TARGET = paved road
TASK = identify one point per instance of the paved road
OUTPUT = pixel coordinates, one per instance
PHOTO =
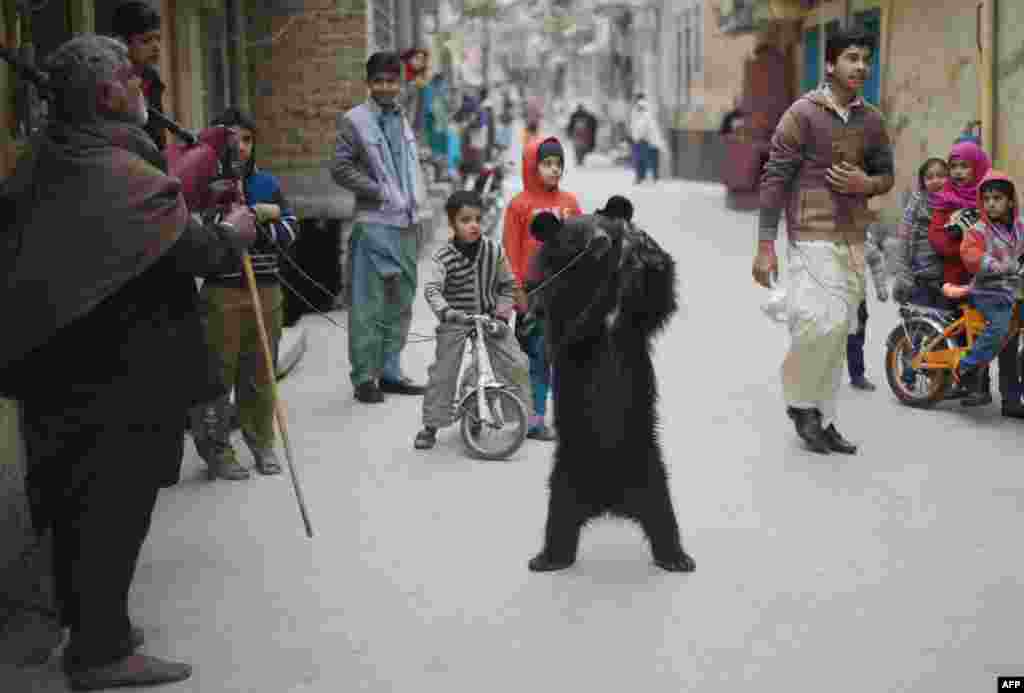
(895, 570)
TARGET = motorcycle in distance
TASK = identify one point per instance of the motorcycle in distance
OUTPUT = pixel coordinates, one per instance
(489, 184)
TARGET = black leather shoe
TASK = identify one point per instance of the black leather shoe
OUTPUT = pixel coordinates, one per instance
(402, 387)
(977, 398)
(808, 427)
(369, 393)
(133, 670)
(956, 391)
(1013, 409)
(837, 443)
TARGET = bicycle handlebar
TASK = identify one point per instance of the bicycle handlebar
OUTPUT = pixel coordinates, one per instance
(481, 316)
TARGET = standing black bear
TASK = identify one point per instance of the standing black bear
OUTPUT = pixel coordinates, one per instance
(605, 288)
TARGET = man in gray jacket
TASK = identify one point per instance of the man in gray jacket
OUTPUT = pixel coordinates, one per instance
(376, 159)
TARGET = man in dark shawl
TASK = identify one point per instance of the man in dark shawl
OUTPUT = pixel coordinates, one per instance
(97, 262)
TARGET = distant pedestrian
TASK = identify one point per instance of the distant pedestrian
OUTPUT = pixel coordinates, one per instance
(583, 131)
(417, 92)
(647, 140)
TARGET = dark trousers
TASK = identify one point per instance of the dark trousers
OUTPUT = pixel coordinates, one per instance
(1010, 387)
(855, 343)
(95, 484)
(645, 157)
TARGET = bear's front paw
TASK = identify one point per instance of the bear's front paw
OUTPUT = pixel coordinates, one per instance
(541, 563)
(682, 563)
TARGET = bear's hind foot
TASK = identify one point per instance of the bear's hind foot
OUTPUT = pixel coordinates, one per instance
(680, 563)
(541, 563)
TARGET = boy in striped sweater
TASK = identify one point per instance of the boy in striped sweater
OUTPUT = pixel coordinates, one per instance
(470, 275)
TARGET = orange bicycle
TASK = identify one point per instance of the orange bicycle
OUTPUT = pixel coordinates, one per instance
(926, 347)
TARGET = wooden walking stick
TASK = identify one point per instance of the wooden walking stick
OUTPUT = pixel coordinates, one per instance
(282, 425)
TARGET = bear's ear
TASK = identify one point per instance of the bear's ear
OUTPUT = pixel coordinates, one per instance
(545, 226)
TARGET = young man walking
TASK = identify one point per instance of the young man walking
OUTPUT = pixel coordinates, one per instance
(376, 158)
(829, 154)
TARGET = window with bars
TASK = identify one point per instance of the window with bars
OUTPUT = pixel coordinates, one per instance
(221, 69)
(689, 53)
(384, 25)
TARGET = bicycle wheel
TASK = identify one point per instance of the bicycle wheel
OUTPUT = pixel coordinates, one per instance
(920, 388)
(494, 441)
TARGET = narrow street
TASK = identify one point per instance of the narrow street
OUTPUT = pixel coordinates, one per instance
(898, 569)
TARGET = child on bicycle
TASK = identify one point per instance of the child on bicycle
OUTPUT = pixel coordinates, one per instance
(470, 276)
(918, 267)
(954, 208)
(991, 250)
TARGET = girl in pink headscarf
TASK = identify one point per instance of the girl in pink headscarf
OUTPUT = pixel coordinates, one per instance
(968, 164)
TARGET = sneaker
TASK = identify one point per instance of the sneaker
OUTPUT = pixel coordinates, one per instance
(542, 432)
(369, 393)
(862, 383)
(426, 438)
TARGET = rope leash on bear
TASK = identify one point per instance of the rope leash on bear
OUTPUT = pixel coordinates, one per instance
(282, 253)
(419, 337)
(576, 258)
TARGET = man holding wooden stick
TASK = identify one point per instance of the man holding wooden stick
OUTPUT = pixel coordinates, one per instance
(108, 354)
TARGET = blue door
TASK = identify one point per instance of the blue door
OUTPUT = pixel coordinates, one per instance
(812, 60)
(871, 22)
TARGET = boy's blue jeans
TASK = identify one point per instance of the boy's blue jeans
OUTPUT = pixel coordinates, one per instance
(540, 373)
(997, 311)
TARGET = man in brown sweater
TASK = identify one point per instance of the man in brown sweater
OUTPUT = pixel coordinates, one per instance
(829, 154)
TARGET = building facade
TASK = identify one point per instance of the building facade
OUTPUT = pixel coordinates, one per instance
(941, 66)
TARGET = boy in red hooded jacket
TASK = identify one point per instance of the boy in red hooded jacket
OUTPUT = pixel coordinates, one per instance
(543, 165)
(991, 251)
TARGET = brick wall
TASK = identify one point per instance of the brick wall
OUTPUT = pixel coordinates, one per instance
(314, 69)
